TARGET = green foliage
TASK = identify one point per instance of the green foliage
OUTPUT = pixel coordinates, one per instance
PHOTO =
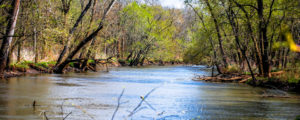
(91, 61)
(22, 65)
(294, 80)
(25, 66)
(27, 62)
(247, 73)
(298, 117)
(72, 64)
(151, 30)
(199, 50)
(121, 61)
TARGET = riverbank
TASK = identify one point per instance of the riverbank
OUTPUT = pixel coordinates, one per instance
(274, 82)
(31, 68)
(278, 80)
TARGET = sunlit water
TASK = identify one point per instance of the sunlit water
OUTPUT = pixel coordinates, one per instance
(177, 97)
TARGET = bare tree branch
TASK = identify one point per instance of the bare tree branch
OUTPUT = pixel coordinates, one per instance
(118, 106)
(141, 102)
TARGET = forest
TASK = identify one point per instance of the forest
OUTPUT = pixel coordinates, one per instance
(247, 37)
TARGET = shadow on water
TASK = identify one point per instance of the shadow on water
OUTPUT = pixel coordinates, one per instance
(94, 95)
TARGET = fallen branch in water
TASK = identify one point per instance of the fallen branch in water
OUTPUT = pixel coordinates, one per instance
(225, 78)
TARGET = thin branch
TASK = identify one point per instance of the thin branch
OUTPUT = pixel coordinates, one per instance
(270, 13)
(249, 6)
(45, 116)
(67, 116)
(141, 102)
(118, 106)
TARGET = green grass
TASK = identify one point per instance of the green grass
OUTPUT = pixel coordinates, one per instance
(45, 64)
(25, 64)
(91, 61)
(247, 73)
(294, 80)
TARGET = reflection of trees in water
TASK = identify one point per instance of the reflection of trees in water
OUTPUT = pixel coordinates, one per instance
(18, 94)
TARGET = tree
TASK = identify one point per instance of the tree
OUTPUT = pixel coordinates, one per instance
(66, 47)
(10, 30)
(60, 67)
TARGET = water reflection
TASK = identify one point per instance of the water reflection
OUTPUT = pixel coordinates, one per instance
(94, 95)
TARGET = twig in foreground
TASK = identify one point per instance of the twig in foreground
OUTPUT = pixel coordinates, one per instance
(45, 116)
(143, 99)
(67, 116)
(118, 106)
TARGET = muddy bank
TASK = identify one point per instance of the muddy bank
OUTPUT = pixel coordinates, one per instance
(271, 82)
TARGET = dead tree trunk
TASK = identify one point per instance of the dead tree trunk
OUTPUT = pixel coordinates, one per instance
(10, 30)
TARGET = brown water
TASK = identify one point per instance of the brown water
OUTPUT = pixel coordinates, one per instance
(94, 96)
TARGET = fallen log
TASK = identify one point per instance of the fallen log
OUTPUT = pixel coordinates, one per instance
(225, 78)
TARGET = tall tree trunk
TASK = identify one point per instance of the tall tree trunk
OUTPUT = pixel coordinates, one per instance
(35, 45)
(60, 67)
(10, 30)
(19, 52)
(218, 33)
(262, 29)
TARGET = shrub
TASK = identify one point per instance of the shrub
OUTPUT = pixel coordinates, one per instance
(294, 80)
(72, 64)
(232, 69)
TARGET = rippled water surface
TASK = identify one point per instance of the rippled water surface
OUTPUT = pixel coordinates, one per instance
(177, 97)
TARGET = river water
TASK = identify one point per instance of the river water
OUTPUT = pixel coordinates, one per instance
(176, 96)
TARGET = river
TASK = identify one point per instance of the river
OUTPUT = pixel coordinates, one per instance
(176, 96)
